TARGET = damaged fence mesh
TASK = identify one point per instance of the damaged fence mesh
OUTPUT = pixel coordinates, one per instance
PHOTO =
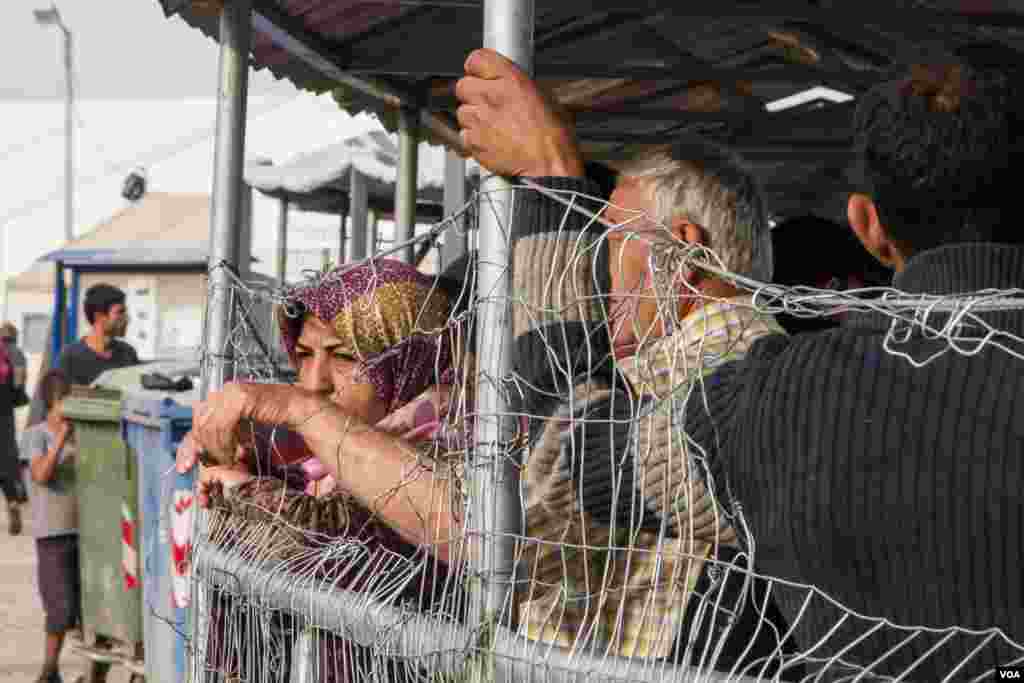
(629, 564)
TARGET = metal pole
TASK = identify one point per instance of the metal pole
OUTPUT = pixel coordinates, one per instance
(59, 313)
(454, 200)
(225, 211)
(358, 210)
(69, 146)
(342, 237)
(496, 508)
(282, 242)
(244, 258)
(75, 295)
(374, 239)
(405, 188)
(226, 208)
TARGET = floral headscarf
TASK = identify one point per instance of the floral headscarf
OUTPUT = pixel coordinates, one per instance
(389, 316)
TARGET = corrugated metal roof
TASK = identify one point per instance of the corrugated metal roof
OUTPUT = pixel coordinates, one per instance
(153, 254)
(639, 73)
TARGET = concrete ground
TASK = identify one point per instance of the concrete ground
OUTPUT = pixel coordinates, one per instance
(21, 615)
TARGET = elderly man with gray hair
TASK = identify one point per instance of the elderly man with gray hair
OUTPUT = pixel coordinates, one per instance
(643, 496)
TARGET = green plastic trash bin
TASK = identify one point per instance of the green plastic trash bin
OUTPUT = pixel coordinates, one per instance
(108, 518)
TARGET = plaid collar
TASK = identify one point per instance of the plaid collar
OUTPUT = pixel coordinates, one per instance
(717, 332)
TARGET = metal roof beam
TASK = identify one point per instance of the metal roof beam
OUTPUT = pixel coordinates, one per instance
(288, 33)
(845, 14)
(451, 66)
(821, 151)
(679, 116)
(904, 36)
(792, 9)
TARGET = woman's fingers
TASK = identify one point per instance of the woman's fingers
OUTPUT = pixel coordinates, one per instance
(188, 453)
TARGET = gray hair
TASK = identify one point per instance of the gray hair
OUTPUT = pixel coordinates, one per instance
(711, 188)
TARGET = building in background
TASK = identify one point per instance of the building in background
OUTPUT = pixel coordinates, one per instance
(156, 250)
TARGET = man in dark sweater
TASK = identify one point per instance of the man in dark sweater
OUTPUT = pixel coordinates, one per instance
(102, 349)
(891, 488)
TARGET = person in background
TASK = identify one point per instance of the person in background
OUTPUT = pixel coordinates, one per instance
(50, 448)
(13, 369)
(878, 464)
(102, 349)
(811, 251)
(9, 337)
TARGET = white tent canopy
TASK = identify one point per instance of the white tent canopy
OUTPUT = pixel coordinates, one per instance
(374, 154)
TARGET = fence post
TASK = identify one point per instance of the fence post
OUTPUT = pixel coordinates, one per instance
(226, 210)
(343, 236)
(357, 202)
(374, 239)
(454, 200)
(226, 214)
(282, 242)
(405, 188)
(244, 239)
(495, 503)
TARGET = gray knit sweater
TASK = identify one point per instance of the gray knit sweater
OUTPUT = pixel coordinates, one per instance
(619, 523)
(896, 490)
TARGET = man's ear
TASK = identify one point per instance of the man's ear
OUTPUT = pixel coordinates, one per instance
(863, 216)
(691, 233)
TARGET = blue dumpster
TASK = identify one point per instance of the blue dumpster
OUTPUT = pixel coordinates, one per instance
(152, 428)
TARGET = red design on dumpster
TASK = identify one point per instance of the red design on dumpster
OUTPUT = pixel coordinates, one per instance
(129, 556)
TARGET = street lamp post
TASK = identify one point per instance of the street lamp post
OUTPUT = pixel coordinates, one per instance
(48, 17)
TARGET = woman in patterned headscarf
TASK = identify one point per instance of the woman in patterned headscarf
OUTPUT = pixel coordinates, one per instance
(375, 338)
(371, 336)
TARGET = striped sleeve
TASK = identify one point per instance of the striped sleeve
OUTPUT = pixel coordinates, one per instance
(560, 279)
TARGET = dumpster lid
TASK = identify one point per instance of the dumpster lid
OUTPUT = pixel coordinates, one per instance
(129, 380)
(150, 408)
(93, 404)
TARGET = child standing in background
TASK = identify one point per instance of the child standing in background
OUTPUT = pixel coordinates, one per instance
(50, 449)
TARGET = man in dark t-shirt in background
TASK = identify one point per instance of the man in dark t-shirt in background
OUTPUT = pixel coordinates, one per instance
(102, 349)
(85, 360)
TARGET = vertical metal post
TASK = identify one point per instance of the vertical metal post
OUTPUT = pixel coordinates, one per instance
(76, 288)
(496, 507)
(59, 309)
(358, 210)
(244, 257)
(342, 237)
(282, 242)
(69, 139)
(226, 209)
(225, 214)
(405, 188)
(454, 200)
(374, 239)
